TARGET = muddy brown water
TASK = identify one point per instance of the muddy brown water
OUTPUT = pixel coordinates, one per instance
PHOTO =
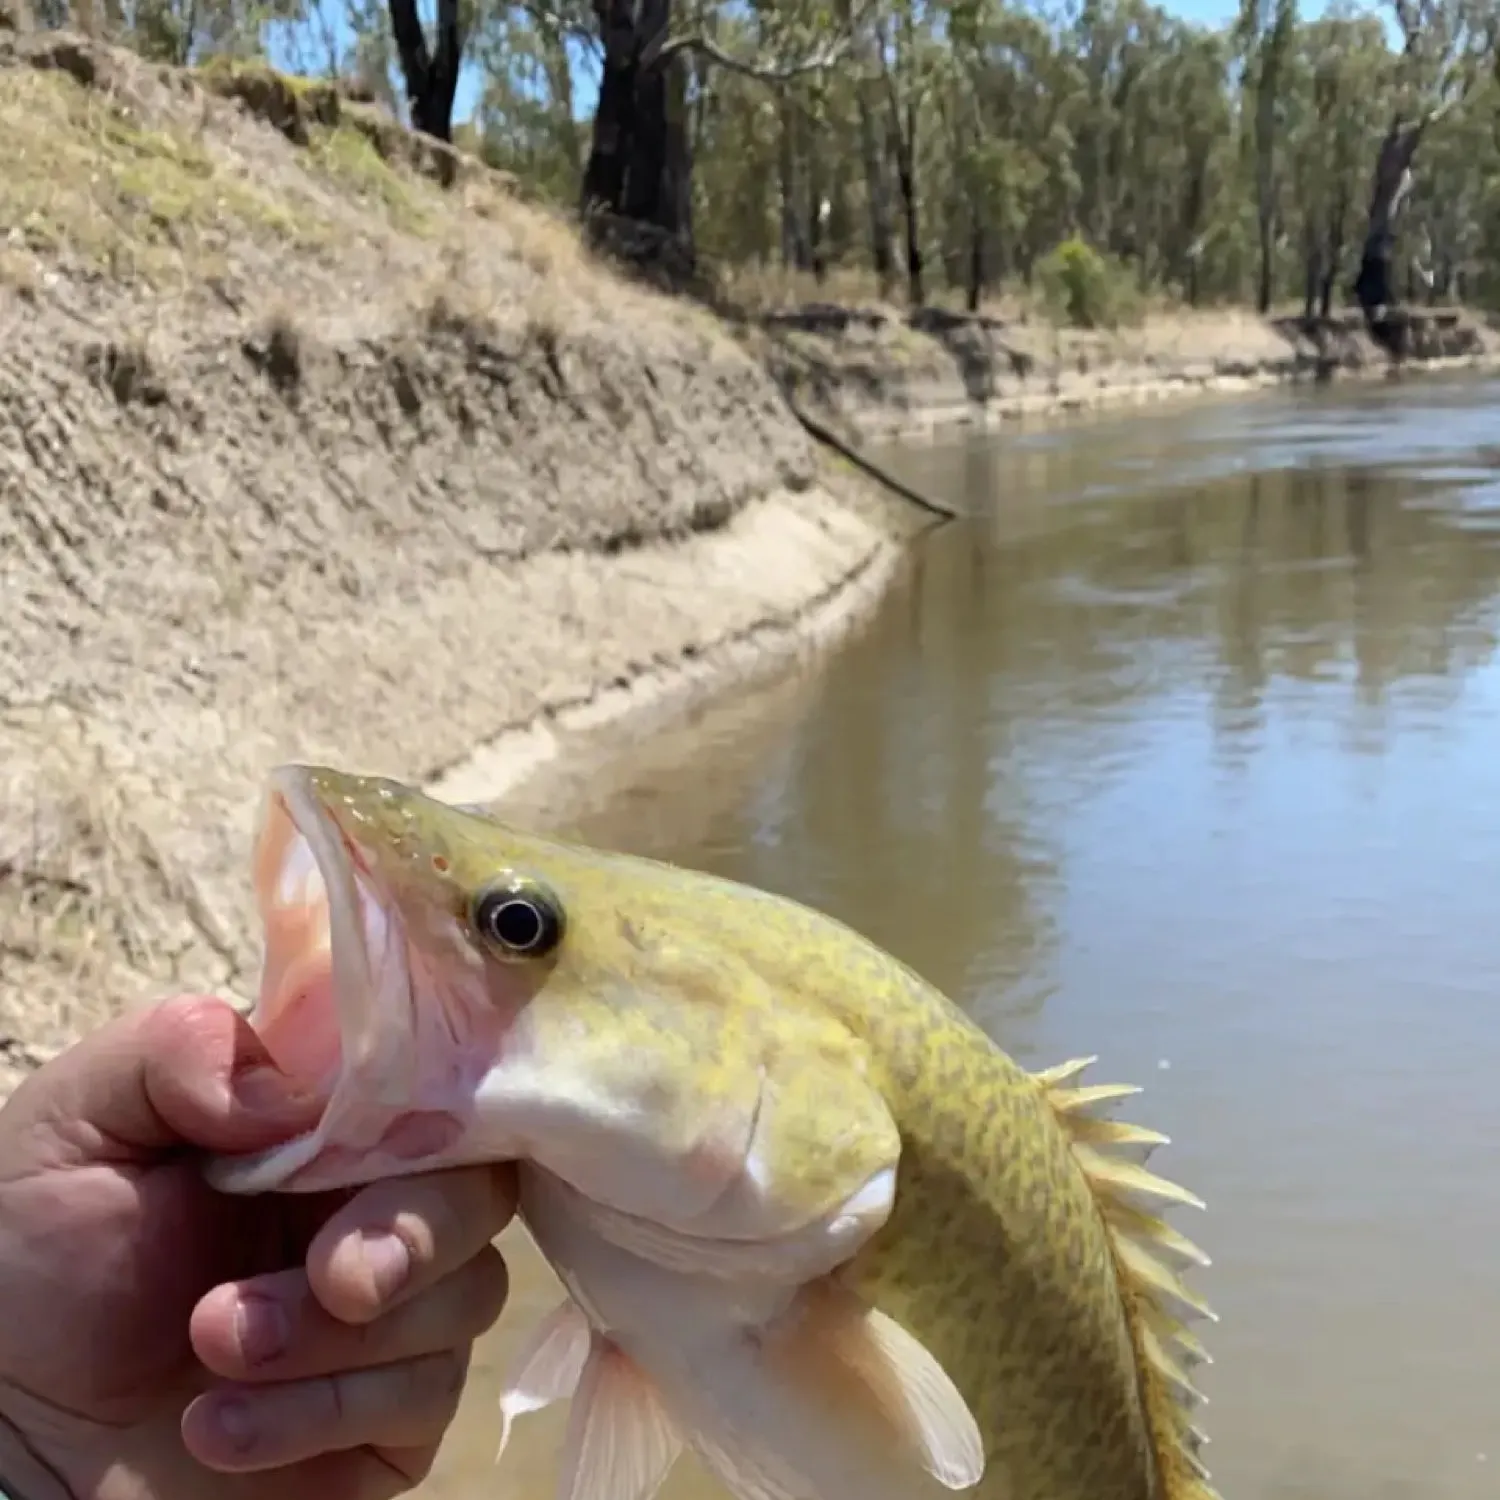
(1185, 751)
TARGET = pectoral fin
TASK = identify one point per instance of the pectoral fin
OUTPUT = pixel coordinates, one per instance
(548, 1367)
(913, 1394)
(621, 1442)
(833, 1401)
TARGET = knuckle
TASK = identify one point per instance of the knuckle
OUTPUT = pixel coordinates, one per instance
(446, 1218)
(459, 1204)
(471, 1205)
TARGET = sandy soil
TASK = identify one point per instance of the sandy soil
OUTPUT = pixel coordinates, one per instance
(317, 442)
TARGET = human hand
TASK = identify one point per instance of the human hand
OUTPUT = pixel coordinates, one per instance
(140, 1310)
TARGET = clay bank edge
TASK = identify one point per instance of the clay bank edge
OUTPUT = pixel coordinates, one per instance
(879, 376)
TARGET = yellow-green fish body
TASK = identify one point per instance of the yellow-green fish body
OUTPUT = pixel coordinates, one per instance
(813, 1222)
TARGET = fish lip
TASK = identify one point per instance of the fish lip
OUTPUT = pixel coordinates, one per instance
(349, 888)
(295, 812)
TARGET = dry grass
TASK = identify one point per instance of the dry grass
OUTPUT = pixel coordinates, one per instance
(236, 184)
(762, 289)
(1160, 331)
(526, 265)
(349, 157)
(65, 842)
(88, 902)
(87, 177)
(772, 289)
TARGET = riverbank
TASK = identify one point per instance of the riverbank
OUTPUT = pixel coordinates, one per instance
(880, 376)
(309, 455)
(322, 444)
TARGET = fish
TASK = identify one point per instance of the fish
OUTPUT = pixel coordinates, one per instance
(810, 1222)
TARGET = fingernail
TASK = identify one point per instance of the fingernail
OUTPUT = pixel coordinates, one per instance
(264, 1089)
(262, 1328)
(236, 1421)
(388, 1261)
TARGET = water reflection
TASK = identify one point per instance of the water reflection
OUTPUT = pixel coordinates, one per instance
(1184, 751)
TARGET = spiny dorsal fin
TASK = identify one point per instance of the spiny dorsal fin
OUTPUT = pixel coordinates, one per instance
(1147, 1274)
(1149, 1255)
(1078, 1101)
(1176, 1332)
(1135, 1139)
(1064, 1073)
(1155, 1231)
(1124, 1179)
(1188, 1342)
(1171, 1370)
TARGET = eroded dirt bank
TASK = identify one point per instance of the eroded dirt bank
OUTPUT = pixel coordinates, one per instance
(881, 375)
(299, 460)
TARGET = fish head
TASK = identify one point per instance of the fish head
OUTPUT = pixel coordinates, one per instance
(455, 990)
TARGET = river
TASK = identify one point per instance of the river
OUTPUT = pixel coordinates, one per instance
(1184, 750)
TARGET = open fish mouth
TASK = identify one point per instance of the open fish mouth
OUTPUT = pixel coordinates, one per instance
(334, 984)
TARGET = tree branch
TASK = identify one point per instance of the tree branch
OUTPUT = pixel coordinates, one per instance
(815, 62)
(565, 25)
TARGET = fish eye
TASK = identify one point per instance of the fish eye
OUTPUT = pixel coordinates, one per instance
(519, 919)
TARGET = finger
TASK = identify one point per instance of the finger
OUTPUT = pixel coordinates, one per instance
(241, 1429)
(356, 1474)
(273, 1328)
(398, 1237)
(188, 1069)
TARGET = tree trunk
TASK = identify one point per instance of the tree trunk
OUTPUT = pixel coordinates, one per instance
(1264, 285)
(794, 248)
(1267, 89)
(901, 125)
(640, 162)
(903, 144)
(1374, 287)
(1312, 277)
(974, 292)
(1333, 253)
(431, 75)
(817, 204)
(877, 194)
(916, 291)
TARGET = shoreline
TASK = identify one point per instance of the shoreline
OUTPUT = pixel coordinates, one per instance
(504, 767)
(508, 764)
(994, 419)
(887, 379)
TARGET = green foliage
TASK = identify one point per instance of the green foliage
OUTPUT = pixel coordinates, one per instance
(1084, 289)
(1091, 155)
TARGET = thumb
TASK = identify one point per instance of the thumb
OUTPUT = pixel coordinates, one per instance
(187, 1071)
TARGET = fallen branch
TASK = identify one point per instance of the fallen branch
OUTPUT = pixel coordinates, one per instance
(827, 436)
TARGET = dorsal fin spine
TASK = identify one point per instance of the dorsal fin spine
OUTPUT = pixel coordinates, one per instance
(1148, 1256)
